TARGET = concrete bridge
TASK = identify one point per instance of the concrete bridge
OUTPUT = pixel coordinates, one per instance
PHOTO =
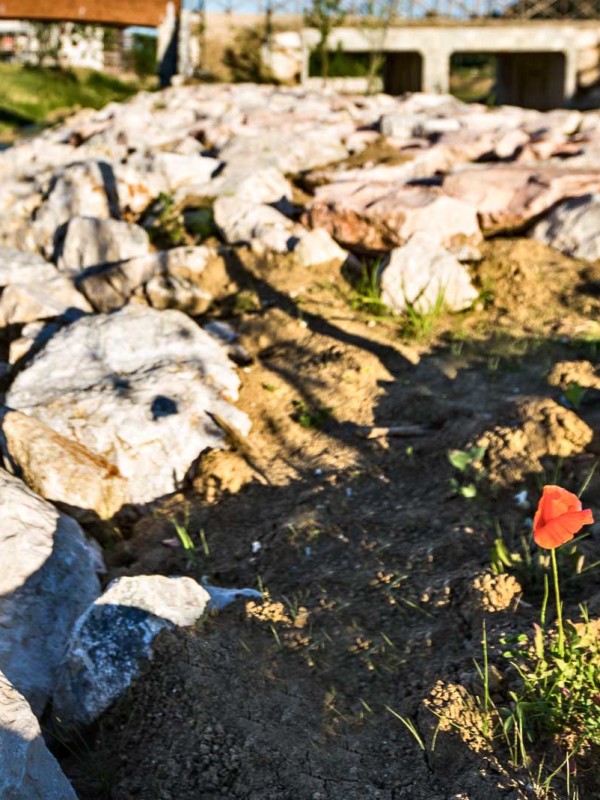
(537, 63)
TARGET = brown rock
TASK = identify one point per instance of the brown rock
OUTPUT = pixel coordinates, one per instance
(380, 217)
(62, 470)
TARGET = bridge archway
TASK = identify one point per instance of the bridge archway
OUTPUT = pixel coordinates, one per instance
(403, 72)
(531, 80)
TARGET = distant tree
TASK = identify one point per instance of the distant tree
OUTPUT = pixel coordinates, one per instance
(554, 9)
(325, 15)
(376, 18)
(244, 59)
(143, 54)
(47, 36)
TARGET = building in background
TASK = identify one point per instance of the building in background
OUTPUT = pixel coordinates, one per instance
(66, 44)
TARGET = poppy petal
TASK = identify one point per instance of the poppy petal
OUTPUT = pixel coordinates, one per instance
(562, 529)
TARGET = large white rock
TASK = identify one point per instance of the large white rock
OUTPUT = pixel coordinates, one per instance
(83, 484)
(245, 221)
(180, 170)
(19, 267)
(48, 578)
(28, 771)
(421, 274)
(113, 638)
(85, 189)
(573, 227)
(28, 302)
(376, 215)
(318, 247)
(90, 242)
(137, 387)
(245, 182)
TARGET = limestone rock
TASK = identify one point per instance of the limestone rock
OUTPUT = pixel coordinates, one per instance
(510, 196)
(318, 247)
(84, 189)
(172, 278)
(164, 291)
(137, 387)
(288, 150)
(180, 170)
(48, 580)
(90, 242)
(28, 771)
(33, 336)
(28, 302)
(63, 471)
(423, 273)
(246, 221)
(113, 638)
(380, 216)
(245, 182)
(573, 227)
(19, 267)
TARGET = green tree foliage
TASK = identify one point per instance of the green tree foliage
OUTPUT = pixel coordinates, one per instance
(143, 54)
(324, 15)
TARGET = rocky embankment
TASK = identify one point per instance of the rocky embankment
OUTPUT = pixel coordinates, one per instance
(116, 232)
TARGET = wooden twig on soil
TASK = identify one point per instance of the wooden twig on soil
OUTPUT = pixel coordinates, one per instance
(377, 431)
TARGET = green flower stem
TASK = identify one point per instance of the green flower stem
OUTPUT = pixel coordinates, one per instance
(559, 621)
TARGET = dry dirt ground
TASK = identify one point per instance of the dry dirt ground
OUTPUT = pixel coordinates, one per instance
(375, 568)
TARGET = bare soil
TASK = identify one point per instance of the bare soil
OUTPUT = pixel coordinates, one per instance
(376, 570)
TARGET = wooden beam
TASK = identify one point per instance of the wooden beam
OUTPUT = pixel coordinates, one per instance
(120, 13)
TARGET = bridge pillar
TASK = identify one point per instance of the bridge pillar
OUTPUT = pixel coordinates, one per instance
(167, 45)
(436, 71)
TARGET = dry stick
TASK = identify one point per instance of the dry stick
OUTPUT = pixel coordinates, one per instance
(367, 432)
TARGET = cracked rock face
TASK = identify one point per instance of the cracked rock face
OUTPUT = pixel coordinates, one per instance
(137, 387)
(84, 484)
(51, 580)
(113, 638)
(572, 227)
(27, 769)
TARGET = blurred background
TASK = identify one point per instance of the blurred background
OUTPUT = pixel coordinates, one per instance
(48, 68)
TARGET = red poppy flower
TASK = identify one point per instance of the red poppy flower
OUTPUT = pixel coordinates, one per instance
(559, 517)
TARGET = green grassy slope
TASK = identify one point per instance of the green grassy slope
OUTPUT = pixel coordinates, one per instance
(36, 96)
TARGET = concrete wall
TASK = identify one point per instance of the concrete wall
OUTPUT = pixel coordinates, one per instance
(544, 74)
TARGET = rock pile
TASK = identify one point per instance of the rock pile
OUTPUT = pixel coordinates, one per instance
(111, 223)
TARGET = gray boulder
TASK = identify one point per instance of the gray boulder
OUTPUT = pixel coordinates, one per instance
(113, 639)
(90, 242)
(28, 771)
(573, 227)
(84, 189)
(168, 275)
(48, 580)
(138, 387)
(265, 228)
